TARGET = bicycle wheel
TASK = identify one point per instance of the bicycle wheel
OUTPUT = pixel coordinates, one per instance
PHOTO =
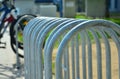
(21, 23)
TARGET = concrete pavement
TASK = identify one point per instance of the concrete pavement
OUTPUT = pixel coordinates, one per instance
(7, 60)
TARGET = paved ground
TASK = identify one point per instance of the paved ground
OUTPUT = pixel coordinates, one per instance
(7, 60)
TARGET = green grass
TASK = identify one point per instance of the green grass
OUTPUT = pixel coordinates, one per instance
(116, 20)
(83, 17)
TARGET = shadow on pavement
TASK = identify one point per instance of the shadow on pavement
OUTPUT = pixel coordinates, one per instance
(7, 72)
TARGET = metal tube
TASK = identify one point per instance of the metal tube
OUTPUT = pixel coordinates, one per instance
(83, 40)
(89, 55)
(77, 58)
(108, 54)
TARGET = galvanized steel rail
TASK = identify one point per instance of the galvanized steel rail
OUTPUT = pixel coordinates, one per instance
(68, 57)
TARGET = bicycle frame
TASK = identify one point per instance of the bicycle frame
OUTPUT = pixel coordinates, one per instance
(5, 21)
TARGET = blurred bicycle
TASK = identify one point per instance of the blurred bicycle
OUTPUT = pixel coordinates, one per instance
(9, 18)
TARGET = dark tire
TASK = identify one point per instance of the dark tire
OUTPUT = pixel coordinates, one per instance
(21, 26)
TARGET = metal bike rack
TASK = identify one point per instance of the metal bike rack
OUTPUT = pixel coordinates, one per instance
(32, 56)
(58, 31)
(66, 30)
(26, 33)
(28, 57)
(41, 37)
(102, 26)
(37, 67)
(18, 63)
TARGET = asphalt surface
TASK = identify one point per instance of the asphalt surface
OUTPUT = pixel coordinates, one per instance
(8, 68)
